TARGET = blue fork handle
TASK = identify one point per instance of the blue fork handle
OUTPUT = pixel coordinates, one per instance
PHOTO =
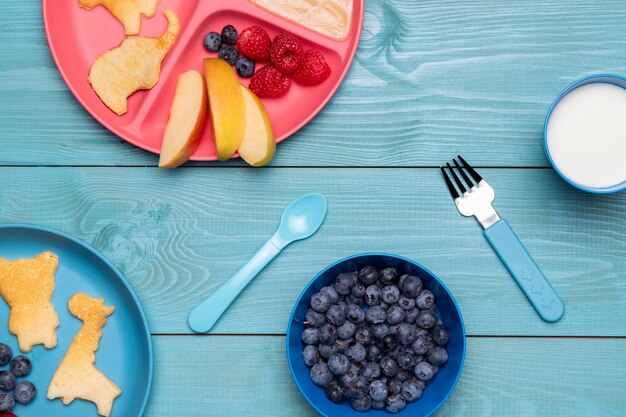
(527, 274)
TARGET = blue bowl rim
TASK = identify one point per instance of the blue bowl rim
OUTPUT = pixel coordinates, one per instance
(122, 279)
(589, 79)
(382, 254)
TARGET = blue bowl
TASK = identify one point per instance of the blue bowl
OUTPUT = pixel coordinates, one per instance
(597, 78)
(439, 388)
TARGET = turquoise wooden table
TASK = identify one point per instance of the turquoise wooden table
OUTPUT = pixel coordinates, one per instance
(431, 79)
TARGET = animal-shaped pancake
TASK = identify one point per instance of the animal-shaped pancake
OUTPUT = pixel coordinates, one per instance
(128, 12)
(133, 65)
(77, 376)
(27, 286)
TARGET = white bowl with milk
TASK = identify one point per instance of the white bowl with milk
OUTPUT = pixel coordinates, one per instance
(585, 134)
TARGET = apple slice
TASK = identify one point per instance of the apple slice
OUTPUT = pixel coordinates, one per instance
(186, 122)
(258, 145)
(228, 114)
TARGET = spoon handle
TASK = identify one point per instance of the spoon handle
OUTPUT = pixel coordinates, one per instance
(206, 314)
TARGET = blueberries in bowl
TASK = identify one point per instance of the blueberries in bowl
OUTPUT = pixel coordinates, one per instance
(372, 339)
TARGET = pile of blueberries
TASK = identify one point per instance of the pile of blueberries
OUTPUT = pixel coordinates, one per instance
(12, 391)
(372, 337)
(224, 44)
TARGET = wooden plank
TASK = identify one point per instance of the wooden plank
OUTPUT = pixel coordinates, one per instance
(502, 377)
(430, 79)
(178, 235)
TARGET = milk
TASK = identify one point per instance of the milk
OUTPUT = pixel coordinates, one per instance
(586, 135)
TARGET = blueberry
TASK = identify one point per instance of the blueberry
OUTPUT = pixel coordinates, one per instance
(343, 283)
(229, 54)
(422, 344)
(394, 386)
(404, 375)
(21, 366)
(357, 388)
(378, 405)
(378, 390)
(338, 364)
(406, 333)
(346, 330)
(368, 276)
(411, 286)
(411, 392)
(388, 366)
(5, 354)
(388, 342)
(363, 335)
(395, 403)
(7, 381)
(327, 334)
(407, 303)
(351, 299)
(24, 392)
(320, 375)
(314, 319)
(379, 330)
(336, 315)
(342, 305)
(327, 350)
(406, 360)
(401, 280)
(395, 315)
(311, 355)
(245, 67)
(356, 352)
(355, 314)
(350, 376)
(376, 315)
(7, 402)
(372, 295)
(310, 336)
(426, 319)
(362, 404)
(373, 353)
(424, 371)
(343, 345)
(390, 294)
(389, 276)
(334, 392)
(320, 302)
(229, 35)
(440, 335)
(212, 41)
(358, 290)
(411, 315)
(332, 293)
(425, 300)
(437, 356)
(370, 371)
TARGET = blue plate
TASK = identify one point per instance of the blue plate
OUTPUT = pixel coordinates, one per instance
(125, 353)
(438, 389)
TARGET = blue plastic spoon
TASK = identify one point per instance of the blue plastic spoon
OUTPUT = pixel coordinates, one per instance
(300, 220)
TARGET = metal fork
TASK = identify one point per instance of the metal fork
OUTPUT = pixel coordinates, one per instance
(473, 198)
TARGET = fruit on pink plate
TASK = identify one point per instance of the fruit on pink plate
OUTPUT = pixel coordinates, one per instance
(228, 113)
(258, 145)
(186, 122)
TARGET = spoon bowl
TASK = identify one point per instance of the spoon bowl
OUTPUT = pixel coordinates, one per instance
(302, 218)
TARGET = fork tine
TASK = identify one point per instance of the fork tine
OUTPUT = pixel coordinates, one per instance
(453, 190)
(456, 179)
(471, 170)
(463, 174)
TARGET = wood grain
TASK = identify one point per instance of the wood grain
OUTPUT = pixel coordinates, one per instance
(502, 377)
(430, 79)
(177, 235)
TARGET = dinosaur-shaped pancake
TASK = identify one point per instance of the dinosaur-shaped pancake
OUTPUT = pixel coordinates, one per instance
(128, 12)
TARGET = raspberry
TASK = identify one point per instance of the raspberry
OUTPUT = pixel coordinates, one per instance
(313, 70)
(7, 415)
(286, 53)
(254, 43)
(269, 82)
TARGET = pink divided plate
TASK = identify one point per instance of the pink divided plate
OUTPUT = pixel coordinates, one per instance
(78, 36)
